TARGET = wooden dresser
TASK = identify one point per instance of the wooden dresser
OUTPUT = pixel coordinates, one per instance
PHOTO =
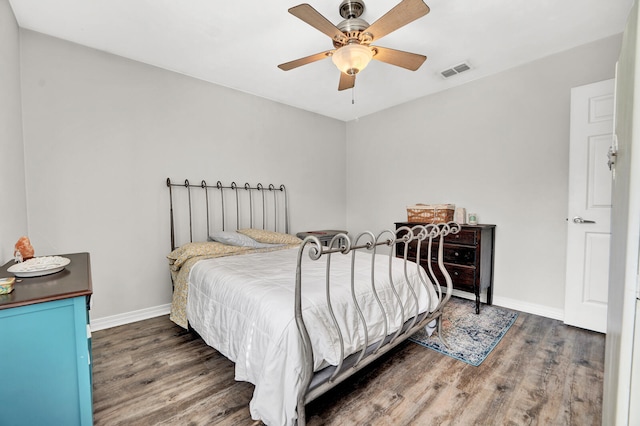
(468, 257)
(45, 347)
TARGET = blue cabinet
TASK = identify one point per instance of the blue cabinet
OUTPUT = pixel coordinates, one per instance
(45, 356)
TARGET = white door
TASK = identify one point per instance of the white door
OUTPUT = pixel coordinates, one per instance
(589, 213)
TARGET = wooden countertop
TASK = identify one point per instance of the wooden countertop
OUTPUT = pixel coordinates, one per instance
(73, 281)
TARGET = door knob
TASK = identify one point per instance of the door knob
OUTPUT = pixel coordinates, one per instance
(578, 219)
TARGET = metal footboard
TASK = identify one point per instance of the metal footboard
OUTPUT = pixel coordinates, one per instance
(417, 243)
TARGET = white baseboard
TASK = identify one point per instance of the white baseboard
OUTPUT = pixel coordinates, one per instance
(129, 317)
(517, 305)
(530, 308)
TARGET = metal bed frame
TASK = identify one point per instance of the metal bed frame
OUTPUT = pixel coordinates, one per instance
(245, 193)
(415, 237)
(415, 241)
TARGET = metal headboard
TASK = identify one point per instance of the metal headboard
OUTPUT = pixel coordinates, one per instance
(274, 212)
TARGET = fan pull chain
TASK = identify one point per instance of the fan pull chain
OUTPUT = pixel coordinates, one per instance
(353, 95)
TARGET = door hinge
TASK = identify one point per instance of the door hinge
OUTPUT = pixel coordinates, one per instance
(611, 157)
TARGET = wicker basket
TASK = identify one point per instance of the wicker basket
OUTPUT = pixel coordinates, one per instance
(430, 213)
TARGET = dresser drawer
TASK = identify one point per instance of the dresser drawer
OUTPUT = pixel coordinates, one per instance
(456, 254)
(462, 277)
(413, 250)
(465, 236)
(460, 255)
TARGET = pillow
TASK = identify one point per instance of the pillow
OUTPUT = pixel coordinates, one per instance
(235, 239)
(270, 237)
(189, 250)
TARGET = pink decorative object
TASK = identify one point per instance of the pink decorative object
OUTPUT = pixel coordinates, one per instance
(23, 249)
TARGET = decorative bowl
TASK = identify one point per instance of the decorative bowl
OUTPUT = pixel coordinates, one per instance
(6, 285)
(38, 266)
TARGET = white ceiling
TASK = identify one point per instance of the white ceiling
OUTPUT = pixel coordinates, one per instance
(239, 44)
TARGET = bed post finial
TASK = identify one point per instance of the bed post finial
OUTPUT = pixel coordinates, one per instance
(286, 209)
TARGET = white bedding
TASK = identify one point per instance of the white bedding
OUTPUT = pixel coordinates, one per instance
(243, 306)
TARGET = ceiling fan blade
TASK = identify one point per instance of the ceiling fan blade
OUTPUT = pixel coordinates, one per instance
(404, 12)
(410, 61)
(304, 61)
(312, 17)
(346, 81)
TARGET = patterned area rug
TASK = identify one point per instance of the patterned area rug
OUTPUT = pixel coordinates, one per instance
(470, 337)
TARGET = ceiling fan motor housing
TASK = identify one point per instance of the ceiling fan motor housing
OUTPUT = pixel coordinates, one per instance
(351, 9)
(353, 26)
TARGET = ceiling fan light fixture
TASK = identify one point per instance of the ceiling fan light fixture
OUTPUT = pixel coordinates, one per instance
(352, 58)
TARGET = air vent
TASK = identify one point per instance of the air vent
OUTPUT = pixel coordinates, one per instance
(450, 72)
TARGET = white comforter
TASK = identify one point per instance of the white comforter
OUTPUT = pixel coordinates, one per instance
(243, 306)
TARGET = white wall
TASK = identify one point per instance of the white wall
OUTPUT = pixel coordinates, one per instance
(102, 134)
(498, 146)
(13, 213)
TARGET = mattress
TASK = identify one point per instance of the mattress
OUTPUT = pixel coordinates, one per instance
(243, 306)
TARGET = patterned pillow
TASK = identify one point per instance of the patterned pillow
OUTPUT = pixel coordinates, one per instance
(270, 237)
(189, 250)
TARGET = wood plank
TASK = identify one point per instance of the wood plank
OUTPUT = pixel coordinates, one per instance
(542, 372)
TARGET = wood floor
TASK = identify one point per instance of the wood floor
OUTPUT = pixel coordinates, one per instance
(542, 373)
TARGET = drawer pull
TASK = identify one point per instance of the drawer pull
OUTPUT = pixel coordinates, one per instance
(456, 273)
(456, 254)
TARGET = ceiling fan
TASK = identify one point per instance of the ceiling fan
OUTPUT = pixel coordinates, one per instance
(352, 38)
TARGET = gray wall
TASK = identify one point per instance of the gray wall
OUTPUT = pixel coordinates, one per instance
(498, 146)
(13, 218)
(102, 133)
